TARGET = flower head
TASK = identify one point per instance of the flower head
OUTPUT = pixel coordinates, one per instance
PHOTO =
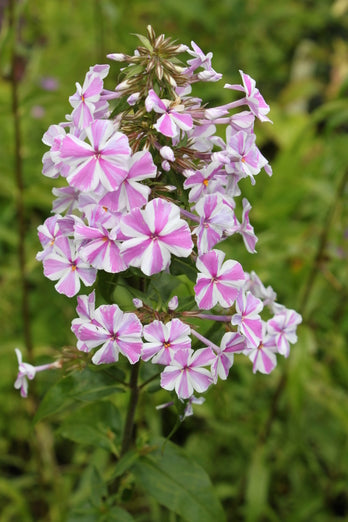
(116, 331)
(102, 161)
(25, 372)
(153, 234)
(217, 282)
(186, 372)
(163, 340)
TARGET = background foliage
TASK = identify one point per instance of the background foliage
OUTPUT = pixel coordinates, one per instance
(275, 447)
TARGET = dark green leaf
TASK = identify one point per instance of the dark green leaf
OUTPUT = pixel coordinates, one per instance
(97, 424)
(87, 385)
(124, 464)
(117, 514)
(144, 41)
(181, 265)
(178, 483)
(106, 284)
(162, 287)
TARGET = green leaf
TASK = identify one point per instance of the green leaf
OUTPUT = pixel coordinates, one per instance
(124, 464)
(117, 514)
(257, 486)
(87, 385)
(133, 71)
(144, 41)
(106, 284)
(162, 287)
(119, 106)
(181, 265)
(97, 424)
(92, 491)
(178, 483)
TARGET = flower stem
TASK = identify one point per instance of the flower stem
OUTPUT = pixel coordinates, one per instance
(205, 341)
(323, 238)
(133, 400)
(150, 379)
(212, 317)
(127, 437)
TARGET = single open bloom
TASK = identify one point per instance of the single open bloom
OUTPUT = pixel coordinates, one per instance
(102, 161)
(186, 373)
(153, 234)
(217, 282)
(115, 331)
(163, 340)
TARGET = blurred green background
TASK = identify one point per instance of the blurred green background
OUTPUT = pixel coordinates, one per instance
(275, 447)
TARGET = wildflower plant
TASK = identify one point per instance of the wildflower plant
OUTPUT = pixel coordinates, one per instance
(152, 191)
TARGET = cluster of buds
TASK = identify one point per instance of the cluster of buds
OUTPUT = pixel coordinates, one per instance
(149, 180)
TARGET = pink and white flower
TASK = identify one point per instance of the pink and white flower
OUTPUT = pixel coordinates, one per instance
(173, 117)
(85, 310)
(263, 356)
(163, 340)
(231, 343)
(257, 288)
(66, 199)
(246, 229)
(204, 181)
(48, 233)
(87, 99)
(100, 247)
(103, 161)
(27, 372)
(242, 155)
(65, 265)
(283, 328)
(116, 331)
(132, 194)
(253, 98)
(186, 372)
(247, 317)
(53, 138)
(217, 282)
(153, 234)
(202, 60)
(215, 218)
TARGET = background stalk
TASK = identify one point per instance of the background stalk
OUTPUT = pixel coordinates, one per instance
(18, 174)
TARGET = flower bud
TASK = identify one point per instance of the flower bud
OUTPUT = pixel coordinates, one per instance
(173, 303)
(133, 98)
(117, 57)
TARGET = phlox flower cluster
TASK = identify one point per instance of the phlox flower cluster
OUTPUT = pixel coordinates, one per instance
(148, 179)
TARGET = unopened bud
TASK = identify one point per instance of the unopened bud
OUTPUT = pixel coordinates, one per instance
(122, 86)
(167, 153)
(159, 71)
(133, 98)
(117, 57)
(182, 48)
(165, 165)
(151, 32)
(173, 303)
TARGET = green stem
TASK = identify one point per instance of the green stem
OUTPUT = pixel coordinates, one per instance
(150, 379)
(128, 430)
(323, 238)
(127, 438)
(18, 172)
